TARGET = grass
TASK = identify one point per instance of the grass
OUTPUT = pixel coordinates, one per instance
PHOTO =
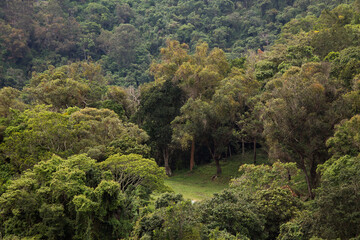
(197, 185)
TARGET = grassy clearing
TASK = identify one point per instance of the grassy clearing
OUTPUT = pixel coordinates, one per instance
(197, 185)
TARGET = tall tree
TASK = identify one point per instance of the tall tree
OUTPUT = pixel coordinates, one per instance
(159, 105)
(120, 44)
(300, 116)
(198, 75)
(78, 84)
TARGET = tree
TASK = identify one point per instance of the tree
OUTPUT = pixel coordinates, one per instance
(102, 133)
(333, 33)
(120, 44)
(190, 125)
(244, 91)
(36, 134)
(198, 75)
(299, 117)
(69, 199)
(346, 139)
(54, 30)
(177, 220)
(278, 206)
(78, 84)
(337, 202)
(159, 105)
(263, 177)
(345, 65)
(13, 41)
(134, 170)
(9, 99)
(227, 211)
(20, 14)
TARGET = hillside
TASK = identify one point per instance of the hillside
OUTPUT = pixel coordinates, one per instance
(125, 36)
(105, 105)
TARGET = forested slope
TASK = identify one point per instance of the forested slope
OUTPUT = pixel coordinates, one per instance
(126, 35)
(80, 155)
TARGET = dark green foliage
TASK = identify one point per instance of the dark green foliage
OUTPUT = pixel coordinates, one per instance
(346, 138)
(176, 221)
(180, 222)
(78, 84)
(277, 206)
(264, 70)
(168, 199)
(159, 105)
(55, 201)
(109, 104)
(338, 200)
(74, 198)
(123, 34)
(227, 211)
(224, 235)
(346, 65)
(299, 228)
(63, 53)
(305, 126)
(36, 134)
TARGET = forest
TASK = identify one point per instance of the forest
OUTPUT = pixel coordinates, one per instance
(103, 101)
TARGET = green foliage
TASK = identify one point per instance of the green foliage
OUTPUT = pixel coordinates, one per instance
(176, 221)
(301, 103)
(346, 139)
(159, 105)
(264, 70)
(298, 228)
(227, 211)
(120, 44)
(124, 36)
(224, 235)
(277, 206)
(337, 202)
(134, 170)
(180, 222)
(345, 66)
(70, 50)
(10, 99)
(262, 177)
(78, 84)
(36, 134)
(66, 199)
(167, 199)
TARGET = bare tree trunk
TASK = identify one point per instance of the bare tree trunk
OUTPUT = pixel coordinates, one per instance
(215, 158)
(166, 162)
(230, 151)
(313, 174)
(254, 150)
(308, 182)
(218, 167)
(192, 157)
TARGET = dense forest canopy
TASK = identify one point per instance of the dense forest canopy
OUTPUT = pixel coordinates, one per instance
(102, 100)
(125, 36)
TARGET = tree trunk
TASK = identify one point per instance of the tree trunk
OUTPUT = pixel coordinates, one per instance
(216, 158)
(218, 167)
(230, 151)
(308, 182)
(243, 147)
(254, 150)
(192, 157)
(166, 162)
(313, 174)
